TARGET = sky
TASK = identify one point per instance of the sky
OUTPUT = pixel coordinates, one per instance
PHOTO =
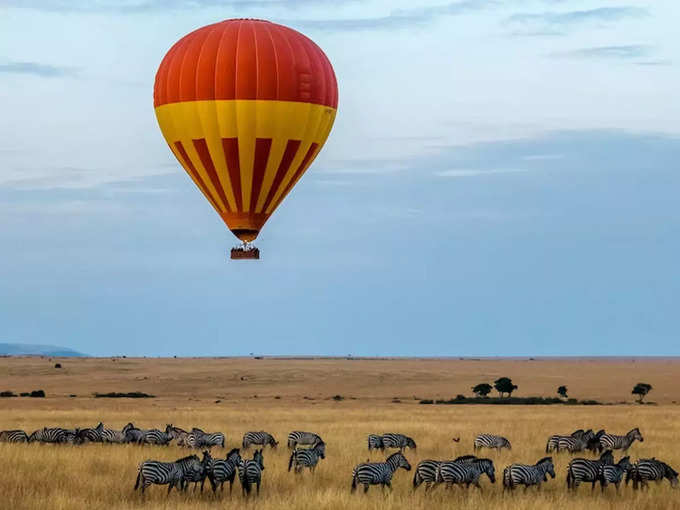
(502, 180)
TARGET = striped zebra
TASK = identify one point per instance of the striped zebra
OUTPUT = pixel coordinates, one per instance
(572, 444)
(554, 440)
(491, 441)
(199, 475)
(91, 435)
(648, 470)
(307, 458)
(197, 438)
(298, 437)
(112, 436)
(260, 438)
(426, 472)
(221, 470)
(378, 473)
(393, 440)
(176, 433)
(594, 442)
(467, 472)
(133, 434)
(585, 470)
(155, 436)
(613, 442)
(50, 435)
(613, 473)
(522, 474)
(375, 442)
(13, 436)
(250, 472)
(166, 473)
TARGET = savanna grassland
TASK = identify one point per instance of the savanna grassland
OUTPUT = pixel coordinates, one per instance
(282, 395)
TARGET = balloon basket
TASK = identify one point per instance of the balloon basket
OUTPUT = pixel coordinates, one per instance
(245, 253)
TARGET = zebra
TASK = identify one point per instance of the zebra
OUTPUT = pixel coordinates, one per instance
(378, 473)
(50, 435)
(133, 434)
(521, 474)
(307, 458)
(613, 442)
(646, 470)
(491, 441)
(166, 473)
(221, 470)
(572, 444)
(298, 437)
(91, 435)
(13, 436)
(155, 436)
(112, 436)
(392, 440)
(197, 438)
(375, 442)
(613, 473)
(585, 470)
(553, 440)
(250, 472)
(426, 472)
(466, 472)
(199, 474)
(176, 433)
(594, 442)
(261, 438)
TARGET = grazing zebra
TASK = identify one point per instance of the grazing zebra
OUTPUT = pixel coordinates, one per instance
(176, 433)
(613, 442)
(553, 440)
(491, 441)
(250, 472)
(392, 440)
(203, 439)
(172, 474)
(307, 458)
(375, 442)
(112, 436)
(89, 435)
(13, 436)
(221, 470)
(155, 436)
(646, 470)
(613, 473)
(298, 437)
(378, 473)
(466, 472)
(585, 470)
(260, 438)
(50, 435)
(521, 474)
(133, 434)
(426, 472)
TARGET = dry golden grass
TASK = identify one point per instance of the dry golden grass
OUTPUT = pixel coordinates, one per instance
(102, 476)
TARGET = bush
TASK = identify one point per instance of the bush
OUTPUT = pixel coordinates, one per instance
(37, 394)
(57, 365)
(131, 394)
(7, 394)
(338, 398)
(511, 401)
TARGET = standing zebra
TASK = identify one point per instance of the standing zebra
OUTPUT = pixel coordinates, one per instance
(49, 435)
(200, 474)
(133, 434)
(379, 473)
(89, 435)
(155, 436)
(375, 442)
(203, 439)
(260, 438)
(572, 444)
(112, 436)
(646, 470)
(553, 440)
(613, 473)
(172, 474)
(393, 440)
(13, 436)
(613, 442)
(521, 474)
(426, 472)
(585, 470)
(250, 472)
(307, 458)
(222, 470)
(307, 438)
(176, 433)
(491, 441)
(466, 472)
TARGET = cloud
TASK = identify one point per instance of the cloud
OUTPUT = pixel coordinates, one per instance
(556, 23)
(37, 69)
(474, 172)
(617, 52)
(662, 62)
(398, 18)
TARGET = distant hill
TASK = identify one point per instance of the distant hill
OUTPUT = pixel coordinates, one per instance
(37, 350)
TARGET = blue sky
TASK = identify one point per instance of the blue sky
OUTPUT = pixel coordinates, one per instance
(502, 179)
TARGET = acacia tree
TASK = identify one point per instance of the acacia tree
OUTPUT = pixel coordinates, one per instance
(641, 389)
(504, 385)
(562, 391)
(482, 389)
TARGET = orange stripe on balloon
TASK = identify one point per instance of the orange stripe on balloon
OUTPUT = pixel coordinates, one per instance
(262, 147)
(230, 147)
(288, 155)
(191, 169)
(201, 147)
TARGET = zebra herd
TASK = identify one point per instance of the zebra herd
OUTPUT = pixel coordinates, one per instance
(307, 449)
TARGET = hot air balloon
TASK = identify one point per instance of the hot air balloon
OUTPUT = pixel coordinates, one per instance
(245, 106)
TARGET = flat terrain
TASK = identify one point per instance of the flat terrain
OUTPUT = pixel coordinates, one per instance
(97, 476)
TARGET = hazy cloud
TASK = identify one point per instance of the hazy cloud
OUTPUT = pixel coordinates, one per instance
(37, 69)
(617, 52)
(556, 23)
(474, 172)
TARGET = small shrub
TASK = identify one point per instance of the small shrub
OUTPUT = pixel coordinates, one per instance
(57, 365)
(131, 394)
(426, 401)
(25, 394)
(338, 398)
(7, 394)
(72, 396)
(37, 394)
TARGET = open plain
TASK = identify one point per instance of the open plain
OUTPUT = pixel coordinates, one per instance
(234, 395)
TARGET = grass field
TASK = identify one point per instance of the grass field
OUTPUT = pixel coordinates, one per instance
(99, 476)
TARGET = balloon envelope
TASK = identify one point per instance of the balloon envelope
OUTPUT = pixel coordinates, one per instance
(245, 105)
